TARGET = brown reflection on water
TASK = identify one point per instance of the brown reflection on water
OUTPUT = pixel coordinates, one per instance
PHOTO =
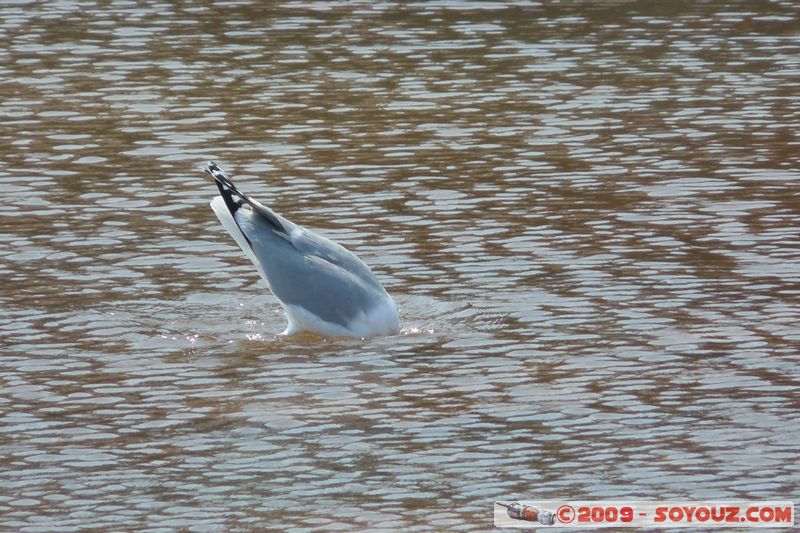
(588, 214)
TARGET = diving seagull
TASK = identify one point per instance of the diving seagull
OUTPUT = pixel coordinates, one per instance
(322, 287)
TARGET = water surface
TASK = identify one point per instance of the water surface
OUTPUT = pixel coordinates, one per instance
(587, 212)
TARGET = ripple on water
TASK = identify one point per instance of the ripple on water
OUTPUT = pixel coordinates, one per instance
(585, 214)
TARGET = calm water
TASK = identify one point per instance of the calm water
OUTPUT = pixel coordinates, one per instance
(588, 213)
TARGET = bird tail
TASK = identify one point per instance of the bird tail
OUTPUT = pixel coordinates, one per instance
(234, 199)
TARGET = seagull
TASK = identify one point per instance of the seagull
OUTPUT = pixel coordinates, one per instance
(322, 287)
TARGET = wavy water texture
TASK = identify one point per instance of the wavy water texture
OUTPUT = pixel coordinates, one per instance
(586, 211)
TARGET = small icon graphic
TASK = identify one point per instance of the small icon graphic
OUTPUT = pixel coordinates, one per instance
(565, 514)
(530, 514)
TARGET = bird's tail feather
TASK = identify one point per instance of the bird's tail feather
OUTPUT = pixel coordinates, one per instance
(234, 199)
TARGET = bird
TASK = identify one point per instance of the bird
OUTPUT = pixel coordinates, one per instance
(323, 287)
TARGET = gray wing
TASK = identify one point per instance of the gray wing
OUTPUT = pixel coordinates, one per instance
(310, 271)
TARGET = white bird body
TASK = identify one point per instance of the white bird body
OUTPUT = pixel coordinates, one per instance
(322, 287)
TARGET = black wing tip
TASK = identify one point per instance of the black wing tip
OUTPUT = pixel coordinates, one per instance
(228, 190)
(230, 194)
(211, 167)
(217, 173)
(223, 181)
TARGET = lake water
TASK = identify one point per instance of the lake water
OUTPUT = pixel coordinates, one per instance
(588, 213)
